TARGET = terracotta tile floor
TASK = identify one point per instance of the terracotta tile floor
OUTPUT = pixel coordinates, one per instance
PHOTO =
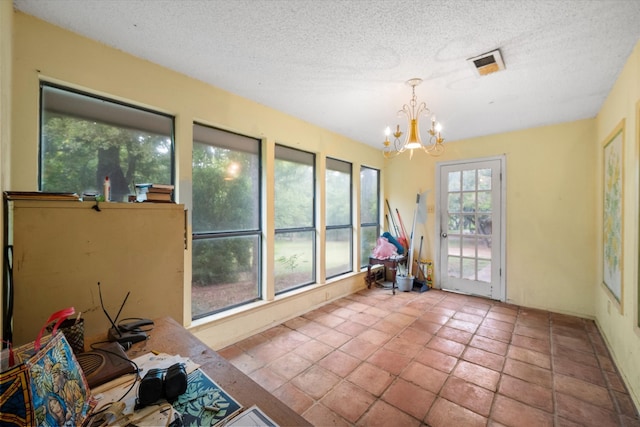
(437, 359)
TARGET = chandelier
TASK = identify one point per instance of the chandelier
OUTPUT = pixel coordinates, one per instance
(412, 141)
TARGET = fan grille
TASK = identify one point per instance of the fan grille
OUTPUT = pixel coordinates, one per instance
(90, 362)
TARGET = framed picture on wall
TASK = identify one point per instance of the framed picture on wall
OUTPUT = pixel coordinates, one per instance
(613, 208)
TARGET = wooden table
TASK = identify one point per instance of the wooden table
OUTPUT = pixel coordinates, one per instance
(390, 263)
(168, 336)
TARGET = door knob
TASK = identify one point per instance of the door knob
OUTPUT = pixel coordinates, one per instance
(444, 235)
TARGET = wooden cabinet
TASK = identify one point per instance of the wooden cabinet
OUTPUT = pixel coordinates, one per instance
(62, 249)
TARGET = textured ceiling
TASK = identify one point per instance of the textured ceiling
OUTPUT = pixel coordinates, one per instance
(342, 64)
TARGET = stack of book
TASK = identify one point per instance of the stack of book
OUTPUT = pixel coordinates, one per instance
(154, 193)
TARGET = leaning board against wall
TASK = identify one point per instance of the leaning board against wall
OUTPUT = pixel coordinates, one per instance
(62, 249)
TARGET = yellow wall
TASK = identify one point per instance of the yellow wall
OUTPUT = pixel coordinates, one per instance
(619, 323)
(550, 216)
(43, 51)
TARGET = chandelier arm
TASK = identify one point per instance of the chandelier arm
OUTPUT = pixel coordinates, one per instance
(388, 153)
(435, 150)
(435, 147)
(422, 109)
(406, 110)
(399, 146)
(413, 112)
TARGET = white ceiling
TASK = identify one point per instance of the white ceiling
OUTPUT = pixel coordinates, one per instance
(342, 64)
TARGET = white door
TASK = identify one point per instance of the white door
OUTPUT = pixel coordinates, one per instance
(470, 227)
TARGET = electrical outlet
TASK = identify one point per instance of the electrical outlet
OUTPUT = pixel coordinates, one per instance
(431, 209)
(608, 307)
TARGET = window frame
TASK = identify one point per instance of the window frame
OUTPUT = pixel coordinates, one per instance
(347, 226)
(225, 234)
(95, 97)
(365, 225)
(312, 228)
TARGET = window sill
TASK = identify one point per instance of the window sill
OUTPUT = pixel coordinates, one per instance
(243, 310)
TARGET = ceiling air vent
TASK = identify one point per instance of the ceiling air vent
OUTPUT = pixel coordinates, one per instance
(487, 63)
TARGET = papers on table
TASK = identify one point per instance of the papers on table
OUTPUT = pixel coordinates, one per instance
(204, 402)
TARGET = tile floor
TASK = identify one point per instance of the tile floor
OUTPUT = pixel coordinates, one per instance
(437, 359)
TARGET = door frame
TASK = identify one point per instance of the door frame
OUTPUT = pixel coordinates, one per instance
(503, 217)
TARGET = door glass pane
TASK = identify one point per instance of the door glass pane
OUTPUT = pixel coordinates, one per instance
(484, 270)
(484, 201)
(469, 180)
(454, 202)
(484, 224)
(469, 247)
(469, 202)
(484, 179)
(454, 245)
(454, 181)
(469, 224)
(469, 268)
(484, 247)
(454, 223)
(454, 266)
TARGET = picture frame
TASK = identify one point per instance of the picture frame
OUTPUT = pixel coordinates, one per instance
(612, 213)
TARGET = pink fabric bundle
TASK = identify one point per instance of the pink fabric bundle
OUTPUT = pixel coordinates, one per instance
(384, 249)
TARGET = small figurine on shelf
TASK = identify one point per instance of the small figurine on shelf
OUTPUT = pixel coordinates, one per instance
(106, 192)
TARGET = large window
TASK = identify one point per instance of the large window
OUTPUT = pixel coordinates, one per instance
(339, 232)
(294, 187)
(369, 212)
(226, 221)
(84, 138)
